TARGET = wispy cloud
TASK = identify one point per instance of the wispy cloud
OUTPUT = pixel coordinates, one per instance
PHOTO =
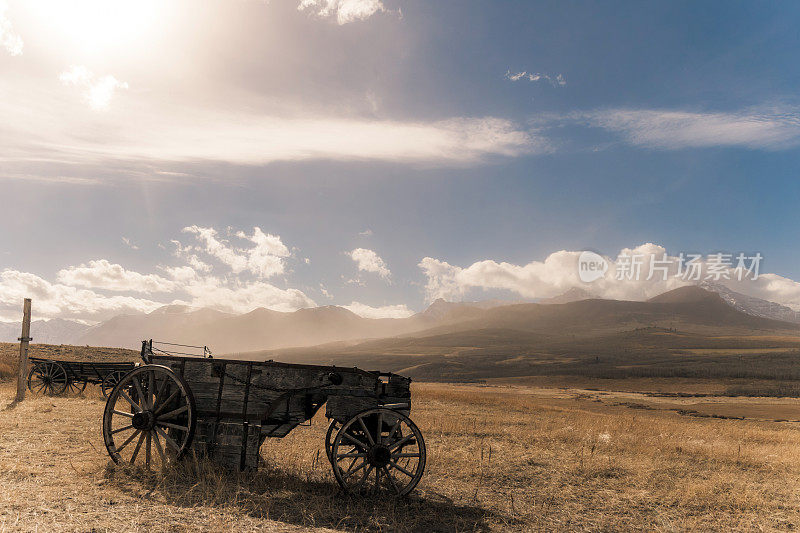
(556, 80)
(129, 243)
(343, 11)
(97, 90)
(143, 132)
(770, 129)
(9, 40)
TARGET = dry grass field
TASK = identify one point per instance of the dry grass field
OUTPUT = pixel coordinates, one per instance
(501, 458)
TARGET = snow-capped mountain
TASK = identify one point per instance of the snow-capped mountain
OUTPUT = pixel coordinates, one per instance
(752, 305)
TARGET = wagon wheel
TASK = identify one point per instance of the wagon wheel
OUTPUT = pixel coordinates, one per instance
(151, 407)
(378, 448)
(110, 381)
(48, 377)
(333, 427)
(76, 386)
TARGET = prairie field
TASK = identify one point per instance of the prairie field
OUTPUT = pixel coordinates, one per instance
(505, 457)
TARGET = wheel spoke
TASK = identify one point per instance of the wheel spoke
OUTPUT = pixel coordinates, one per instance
(147, 439)
(364, 478)
(122, 413)
(173, 426)
(352, 471)
(400, 468)
(366, 431)
(139, 392)
(378, 434)
(138, 446)
(391, 479)
(394, 430)
(130, 401)
(151, 386)
(397, 455)
(355, 441)
(157, 411)
(348, 455)
(169, 440)
(401, 441)
(128, 440)
(176, 412)
(121, 429)
(159, 449)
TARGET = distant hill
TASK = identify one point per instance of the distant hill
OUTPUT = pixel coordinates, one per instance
(54, 331)
(587, 336)
(575, 294)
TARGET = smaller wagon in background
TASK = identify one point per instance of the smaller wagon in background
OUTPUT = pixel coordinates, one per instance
(55, 377)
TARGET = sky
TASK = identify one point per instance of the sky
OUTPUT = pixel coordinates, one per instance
(380, 154)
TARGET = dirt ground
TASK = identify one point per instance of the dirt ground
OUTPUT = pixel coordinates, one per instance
(500, 458)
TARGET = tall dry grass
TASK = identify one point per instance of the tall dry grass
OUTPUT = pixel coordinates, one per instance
(499, 459)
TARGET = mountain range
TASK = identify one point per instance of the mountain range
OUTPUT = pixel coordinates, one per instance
(264, 329)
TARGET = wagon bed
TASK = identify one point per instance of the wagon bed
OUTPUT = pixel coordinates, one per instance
(224, 409)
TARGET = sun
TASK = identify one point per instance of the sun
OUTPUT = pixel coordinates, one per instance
(96, 25)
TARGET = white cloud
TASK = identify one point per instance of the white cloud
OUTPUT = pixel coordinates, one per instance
(386, 311)
(343, 10)
(557, 80)
(369, 261)
(366, 233)
(101, 274)
(48, 128)
(8, 38)
(670, 130)
(241, 297)
(559, 272)
(97, 90)
(52, 300)
(265, 259)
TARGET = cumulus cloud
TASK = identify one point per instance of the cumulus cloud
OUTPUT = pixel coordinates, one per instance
(343, 11)
(557, 80)
(265, 259)
(8, 38)
(59, 300)
(97, 90)
(559, 272)
(386, 311)
(670, 130)
(368, 261)
(102, 274)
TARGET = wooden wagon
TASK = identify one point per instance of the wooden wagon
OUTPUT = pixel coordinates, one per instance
(224, 409)
(55, 377)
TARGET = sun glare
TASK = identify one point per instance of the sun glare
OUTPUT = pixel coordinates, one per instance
(93, 25)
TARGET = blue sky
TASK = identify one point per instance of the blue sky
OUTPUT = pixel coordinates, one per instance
(483, 135)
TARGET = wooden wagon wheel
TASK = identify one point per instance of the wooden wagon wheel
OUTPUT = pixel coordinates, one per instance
(151, 407)
(378, 449)
(76, 386)
(333, 427)
(110, 381)
(48, 377)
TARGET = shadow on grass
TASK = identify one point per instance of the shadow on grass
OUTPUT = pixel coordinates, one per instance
(309, 500)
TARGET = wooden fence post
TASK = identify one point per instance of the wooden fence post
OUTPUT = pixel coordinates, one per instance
(23, 350)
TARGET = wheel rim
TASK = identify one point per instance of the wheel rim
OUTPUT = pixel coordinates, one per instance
(333, 427)
(76, 386)
(149, 418)
(378, 449)
(110, 382)
(48, 378)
